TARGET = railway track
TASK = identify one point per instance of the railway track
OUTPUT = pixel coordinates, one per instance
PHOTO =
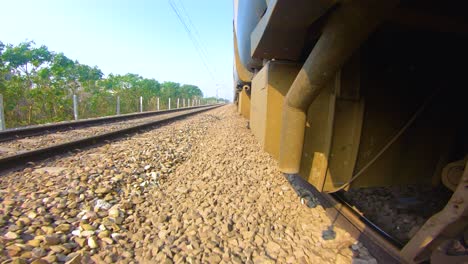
(380, 244)
(138, 122)
(22, 132)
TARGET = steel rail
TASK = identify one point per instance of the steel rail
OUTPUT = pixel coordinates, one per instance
(22, 159)
(379, 244)
(22, 132)
(374, 239)
(338, 196)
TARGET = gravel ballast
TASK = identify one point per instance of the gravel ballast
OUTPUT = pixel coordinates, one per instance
(199, 190)
(9, 148)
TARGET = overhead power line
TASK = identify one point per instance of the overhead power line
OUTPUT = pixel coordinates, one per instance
(197, 35)
(196, 43)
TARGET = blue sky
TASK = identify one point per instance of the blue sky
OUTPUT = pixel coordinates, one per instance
(130, 36)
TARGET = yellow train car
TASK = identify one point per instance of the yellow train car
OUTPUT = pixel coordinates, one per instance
(366, 99)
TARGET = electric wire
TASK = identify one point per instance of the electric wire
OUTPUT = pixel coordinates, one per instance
(196, 34)
(192, 38)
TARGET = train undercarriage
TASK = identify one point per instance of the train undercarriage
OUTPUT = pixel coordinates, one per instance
(365, 100)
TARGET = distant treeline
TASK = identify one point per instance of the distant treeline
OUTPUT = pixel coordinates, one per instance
(38, 86)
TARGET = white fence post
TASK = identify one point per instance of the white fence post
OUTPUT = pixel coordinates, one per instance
(177, 103)
(169, 105)
(141, 104)
(2, 114)
(118, 105)
(157, 104)
(75, 106)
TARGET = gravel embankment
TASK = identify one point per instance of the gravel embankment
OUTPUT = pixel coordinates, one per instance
(9, 148)
(199, 191)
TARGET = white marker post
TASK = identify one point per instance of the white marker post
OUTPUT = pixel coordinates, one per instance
(183, 102)
(157, 104)
(118, 105)
(177, 103)
(169, 106)
(2, 114)
(141, 104)
(75, 106)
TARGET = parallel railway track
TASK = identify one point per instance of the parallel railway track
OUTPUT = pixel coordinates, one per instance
(21, 159)
(22, 132)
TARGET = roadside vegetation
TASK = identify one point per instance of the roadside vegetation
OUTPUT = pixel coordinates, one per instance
(38, 87)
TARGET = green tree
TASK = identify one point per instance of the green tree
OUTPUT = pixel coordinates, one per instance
(25, 59)
(38, 86)
(191, 91)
